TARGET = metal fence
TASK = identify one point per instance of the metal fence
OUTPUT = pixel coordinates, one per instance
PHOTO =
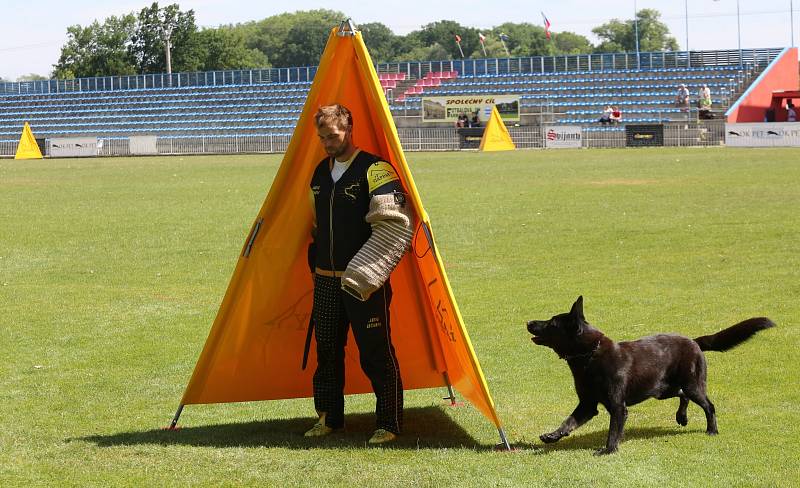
(465, 67)
(676, 134)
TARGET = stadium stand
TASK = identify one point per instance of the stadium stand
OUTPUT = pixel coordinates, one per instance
(564, 89)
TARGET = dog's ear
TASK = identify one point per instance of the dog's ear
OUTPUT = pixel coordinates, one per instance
(577, 309)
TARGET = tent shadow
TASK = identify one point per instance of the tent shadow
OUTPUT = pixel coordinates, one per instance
(596, 440)
(424, 428)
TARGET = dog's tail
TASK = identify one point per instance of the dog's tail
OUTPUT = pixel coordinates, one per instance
(733, 335)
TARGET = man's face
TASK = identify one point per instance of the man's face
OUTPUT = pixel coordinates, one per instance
(334, 139)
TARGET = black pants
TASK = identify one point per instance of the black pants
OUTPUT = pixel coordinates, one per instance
(334, 312)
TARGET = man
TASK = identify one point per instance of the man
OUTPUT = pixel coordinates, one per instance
(362, 227)
(682, 99)
(791, 114)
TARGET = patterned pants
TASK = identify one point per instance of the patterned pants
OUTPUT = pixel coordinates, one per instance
(334, 312)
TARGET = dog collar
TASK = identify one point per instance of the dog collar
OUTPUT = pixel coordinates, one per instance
(585, 354)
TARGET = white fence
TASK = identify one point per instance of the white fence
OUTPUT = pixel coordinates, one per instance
(676, 134)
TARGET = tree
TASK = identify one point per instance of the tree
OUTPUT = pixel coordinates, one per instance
(291, 39)
(224, 48)
(98, 50)
(571, 43)
(433, 52)
(524, 39)
(381, 42)
(619, 36)
(148, 46)
(31, 77)
(444, 34)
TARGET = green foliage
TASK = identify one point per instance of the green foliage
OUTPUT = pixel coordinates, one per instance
(135, 43)
(113, 270)
(31, 77)
(292, 39)
(382, 44)
(98, 49)
(148, 45)
(619, 36)
(225, 48)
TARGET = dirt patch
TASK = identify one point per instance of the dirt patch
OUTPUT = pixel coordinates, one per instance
(621, 181)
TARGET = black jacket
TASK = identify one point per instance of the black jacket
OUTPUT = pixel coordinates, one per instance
(341, 207)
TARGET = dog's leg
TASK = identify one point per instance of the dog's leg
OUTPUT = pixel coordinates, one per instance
(680, 415)
(619, 414)
(702, 400)
(582, 414)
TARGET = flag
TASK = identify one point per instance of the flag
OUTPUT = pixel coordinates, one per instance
(458, 39)
(481, 37)
(546, 26)
(503, 37)
(458, 43)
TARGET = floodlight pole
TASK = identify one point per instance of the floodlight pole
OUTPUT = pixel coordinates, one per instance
(166, 31)
(636, 31)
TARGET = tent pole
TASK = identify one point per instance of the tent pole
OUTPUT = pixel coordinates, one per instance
(451, 394)
(177, 416)
(503, 440)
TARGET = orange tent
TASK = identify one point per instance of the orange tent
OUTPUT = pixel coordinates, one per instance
(255, 347)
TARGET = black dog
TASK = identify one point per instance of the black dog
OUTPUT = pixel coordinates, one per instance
(618, 375)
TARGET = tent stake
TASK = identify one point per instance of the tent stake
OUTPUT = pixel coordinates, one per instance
(177, 416)
(451, 394)
(503, 440)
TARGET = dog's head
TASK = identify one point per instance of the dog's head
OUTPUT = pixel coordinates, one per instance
(562, 332)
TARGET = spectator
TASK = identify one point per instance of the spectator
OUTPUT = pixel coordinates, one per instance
(705, 97)
(462, 121)
(682, 99)
(605, 118)
(791, 113)
(475, 122)
(616, 115)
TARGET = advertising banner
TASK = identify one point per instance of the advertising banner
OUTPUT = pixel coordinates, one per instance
(562, 136)
(447, 109)
(767, 134)
(643, 135)
(143, 145)
(69, 147)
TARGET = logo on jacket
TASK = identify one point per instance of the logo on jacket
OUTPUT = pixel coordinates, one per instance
(373, 322)
(352, 191)
(379, 174)
(315, 189)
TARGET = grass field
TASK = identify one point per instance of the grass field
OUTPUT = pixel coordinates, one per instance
(111, 272)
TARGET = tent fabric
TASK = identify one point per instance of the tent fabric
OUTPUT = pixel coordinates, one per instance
(255, 347)
(496, 136)
(27, 147)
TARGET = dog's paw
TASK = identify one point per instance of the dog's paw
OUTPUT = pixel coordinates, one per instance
(550, 437)
(605, 450)
(682, 419)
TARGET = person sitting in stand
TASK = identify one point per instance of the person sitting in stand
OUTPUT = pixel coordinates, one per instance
(475, 122)
(616, 115)
(605, 118)
(682, 99)
(462, 121)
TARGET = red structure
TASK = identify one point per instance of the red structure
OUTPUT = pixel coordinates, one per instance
(781, 75)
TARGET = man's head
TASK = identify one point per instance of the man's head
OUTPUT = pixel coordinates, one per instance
(335, 129)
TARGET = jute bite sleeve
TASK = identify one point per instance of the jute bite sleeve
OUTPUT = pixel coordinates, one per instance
(392, 229)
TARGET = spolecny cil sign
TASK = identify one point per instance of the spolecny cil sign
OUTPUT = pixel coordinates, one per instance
(447, 109)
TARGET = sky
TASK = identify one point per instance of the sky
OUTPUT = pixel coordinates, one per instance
(31, 36)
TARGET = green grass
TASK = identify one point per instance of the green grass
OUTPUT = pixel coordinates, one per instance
(111, 272)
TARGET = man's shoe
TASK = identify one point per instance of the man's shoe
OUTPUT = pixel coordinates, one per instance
(382, 436)
(319, 429)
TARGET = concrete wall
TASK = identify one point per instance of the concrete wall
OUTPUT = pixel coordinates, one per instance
(781, 74)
